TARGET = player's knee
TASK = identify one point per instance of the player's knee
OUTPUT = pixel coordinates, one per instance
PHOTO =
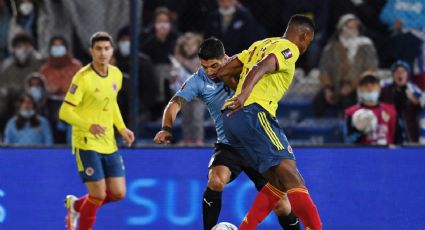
(117, 195)
(283, 207)
(100, 195)
(215, 183)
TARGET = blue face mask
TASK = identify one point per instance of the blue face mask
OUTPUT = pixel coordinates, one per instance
(26, 113)
(124, 47)
(36, 92)
(58, 51)
(369, 96)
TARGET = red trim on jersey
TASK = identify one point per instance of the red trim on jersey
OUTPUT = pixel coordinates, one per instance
(69, 103)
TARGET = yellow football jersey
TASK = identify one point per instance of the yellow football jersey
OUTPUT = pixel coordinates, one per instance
(272, 86)
(94, 100)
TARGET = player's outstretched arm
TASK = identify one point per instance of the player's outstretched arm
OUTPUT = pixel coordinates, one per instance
(266, 65)
(230, 72)
(173, 108)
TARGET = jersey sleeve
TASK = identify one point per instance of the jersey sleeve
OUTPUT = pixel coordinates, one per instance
(189, 89)
(76, 90)
(243, 56)
(117, 116)
(286, 57)
(120, 77)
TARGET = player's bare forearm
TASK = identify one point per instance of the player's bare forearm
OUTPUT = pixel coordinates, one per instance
(173, 108)
(266, 65)
(230, 72)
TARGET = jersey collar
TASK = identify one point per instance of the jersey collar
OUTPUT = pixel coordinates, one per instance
(100, 75)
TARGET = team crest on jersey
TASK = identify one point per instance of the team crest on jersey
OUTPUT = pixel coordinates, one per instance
(114, 86)
(385, 116)
(89, 171)
(290, 150)
(287, 53)
(73, 88)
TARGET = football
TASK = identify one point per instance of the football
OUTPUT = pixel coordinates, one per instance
(224, 226)
(365, 120)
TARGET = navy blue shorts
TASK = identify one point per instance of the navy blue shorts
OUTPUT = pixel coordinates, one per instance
(94, 166)
(257, 136)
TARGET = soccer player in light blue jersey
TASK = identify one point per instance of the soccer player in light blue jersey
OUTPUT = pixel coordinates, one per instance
(226, 163)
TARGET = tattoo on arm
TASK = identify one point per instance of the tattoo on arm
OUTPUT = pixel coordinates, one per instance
(179, 100)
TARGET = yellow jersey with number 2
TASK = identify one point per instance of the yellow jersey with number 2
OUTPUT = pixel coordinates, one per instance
(94, 98)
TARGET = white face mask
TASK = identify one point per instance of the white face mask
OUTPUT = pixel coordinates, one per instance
(163, 26)
(58, 51)
(26, 8)
(227, 11)
(26, 113)
(349, 32)
(124, 47)
(36, 92)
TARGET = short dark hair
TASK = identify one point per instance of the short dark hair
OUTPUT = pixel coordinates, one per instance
(22, 38)
(58, 37)
(302, 20)
(368, 79)
(211, 48)
(125, 31)
(100, 36)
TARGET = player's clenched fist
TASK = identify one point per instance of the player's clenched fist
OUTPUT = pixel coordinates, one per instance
(128, 136)
(162, 137)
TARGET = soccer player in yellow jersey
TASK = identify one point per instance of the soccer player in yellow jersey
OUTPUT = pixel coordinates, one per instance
(91, 108)
(251, 127)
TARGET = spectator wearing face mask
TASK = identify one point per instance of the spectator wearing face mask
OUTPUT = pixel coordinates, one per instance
(15, 69)
(147, 79)
(27, 127)
(59, 68)
(158, 46)
(26, 20)
(160, 43)
(233, 24)
(370, 122)
(35, 86)
(344, 59)
(58, 71)
(408, 100)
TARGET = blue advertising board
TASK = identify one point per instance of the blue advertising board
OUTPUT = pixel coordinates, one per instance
(353, 188)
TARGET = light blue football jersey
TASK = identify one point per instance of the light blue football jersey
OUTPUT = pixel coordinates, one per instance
(212, 93)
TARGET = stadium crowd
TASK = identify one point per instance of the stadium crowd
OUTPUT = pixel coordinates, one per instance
(367, 55)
